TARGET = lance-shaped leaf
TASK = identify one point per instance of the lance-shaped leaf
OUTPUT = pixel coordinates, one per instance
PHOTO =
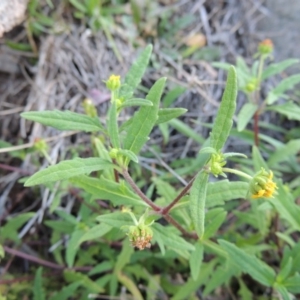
(112, 125)
(105, 189)
(144, 120)
(136, 102)
(64, 120)
(135, 74)
(245, 115)
(38, 290)
(196, 260)
(250, 264)
(278, 68)
(289, 109)
(167, 114)
(116, 219)
(223, 122)
(197, 202)
(67, 169)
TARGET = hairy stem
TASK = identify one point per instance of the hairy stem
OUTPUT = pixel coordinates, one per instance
(139, 192)
(166, 209)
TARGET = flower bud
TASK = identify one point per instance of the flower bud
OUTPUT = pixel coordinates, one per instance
(89, 108)
(113, 83)
(262, 185)
(216, 163)
(265, 47)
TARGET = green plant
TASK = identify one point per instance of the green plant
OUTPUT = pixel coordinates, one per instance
(199, 235)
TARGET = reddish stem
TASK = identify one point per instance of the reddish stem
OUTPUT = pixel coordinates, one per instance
(166, 209)
(139, 192)
(42, 262)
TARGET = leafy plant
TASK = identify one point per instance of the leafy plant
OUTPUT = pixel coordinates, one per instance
(186, 228)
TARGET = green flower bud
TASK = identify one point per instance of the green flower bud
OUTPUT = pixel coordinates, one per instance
(216, 164)
(265, 47)
(89, 108)
(113, 83)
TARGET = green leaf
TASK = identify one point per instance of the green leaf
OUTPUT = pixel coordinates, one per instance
(64, 120)
(196, 260)
(250, 264)
(285, 271)
(197, 202)
(2, 253)
(213, 223)
(67, 169)
(10, 229)
(135, 74)
(224, 190)
(128, 154)
(283, 291)
(86, 282)
(223, 122)
(289, 109)
(112, 125)
(186, 130)
(258, 160)
(116, 219)
(274, 69)
(286, 84)
(283, 153)
(292, 284)
(136, 102)
(144, 119)
(171, 239)
(209, 150)
(105, 189)
(124, 257)
(73, 245)
(95, 232)
(38, 291)
(245, 115)
(286, 208)
(66, 292)
(102, 267)
(172, 95)
(167, 114)
(130, 285)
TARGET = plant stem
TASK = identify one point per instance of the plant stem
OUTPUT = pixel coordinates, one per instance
(42, 262)
(139, 192)
(237, 172)
(166, 209)
(256, 128)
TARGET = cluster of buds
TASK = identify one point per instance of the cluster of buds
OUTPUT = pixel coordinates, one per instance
(216, 164)
(140, 236)
(265, 47)
(262, 185)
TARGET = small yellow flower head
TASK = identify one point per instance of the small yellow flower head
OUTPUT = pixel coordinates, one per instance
(113, 83)
(262, 185)
(265, 47)
(216, 163)
(140, 236)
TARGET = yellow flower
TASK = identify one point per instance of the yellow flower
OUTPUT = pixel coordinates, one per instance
(262, 185)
